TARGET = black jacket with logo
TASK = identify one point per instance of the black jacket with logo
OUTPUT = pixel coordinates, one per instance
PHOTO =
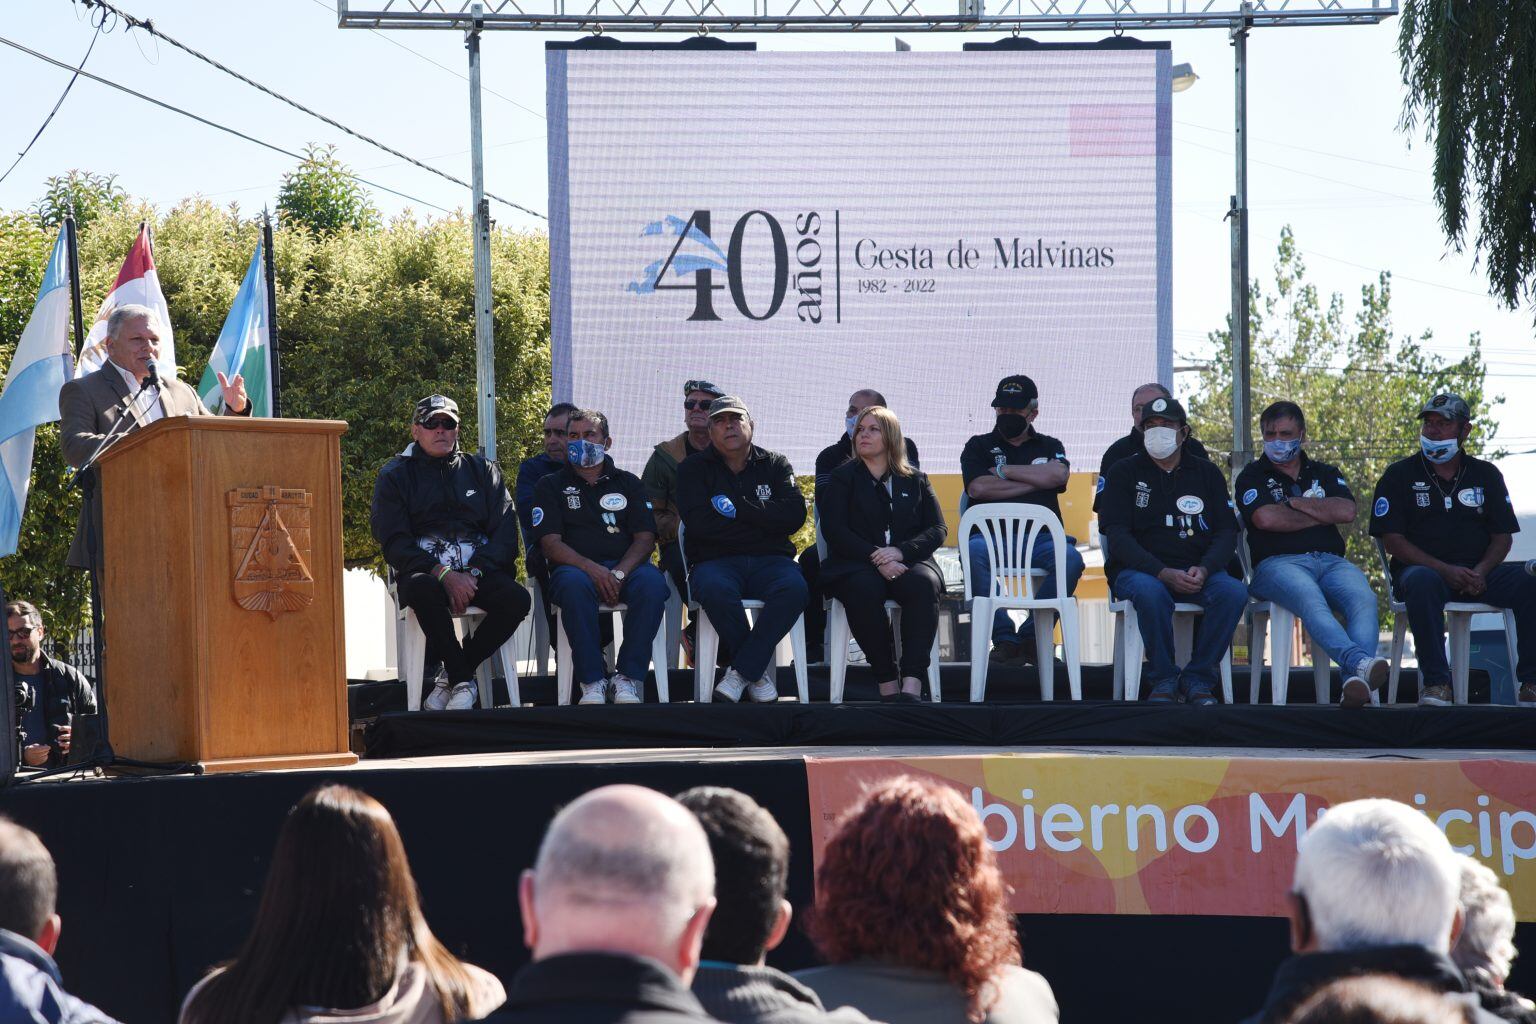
(598, 520)
(1454, 522)
(1261, 483)
(1129, 445)
(754, 512)
(454, 497)
(984, 452)
(1153, 519)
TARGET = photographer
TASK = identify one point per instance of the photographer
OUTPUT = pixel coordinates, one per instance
(58, 690)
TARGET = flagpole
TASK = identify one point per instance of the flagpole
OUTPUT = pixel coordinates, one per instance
(72, 249)
(271, 274)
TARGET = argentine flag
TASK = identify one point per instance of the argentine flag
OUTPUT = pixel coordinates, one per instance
(244, 345)
(42, 363)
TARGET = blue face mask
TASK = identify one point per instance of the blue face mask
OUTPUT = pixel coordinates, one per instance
(1438, 452)
(1280, 452)
(585, 454)
(851, 422)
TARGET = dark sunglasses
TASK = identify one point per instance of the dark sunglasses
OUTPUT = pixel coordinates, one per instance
(22, 634)
(703, 403)
(440, 423)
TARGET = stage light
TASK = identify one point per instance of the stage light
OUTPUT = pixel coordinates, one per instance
(1183, 77)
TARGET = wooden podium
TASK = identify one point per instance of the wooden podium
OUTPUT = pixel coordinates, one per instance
(221, 587)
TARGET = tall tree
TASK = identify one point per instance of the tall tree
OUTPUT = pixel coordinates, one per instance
(87, 195)
(1360, 385)
(1470, 69)
(322, 195)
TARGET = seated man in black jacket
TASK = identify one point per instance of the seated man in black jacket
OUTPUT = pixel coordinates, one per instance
(445, 522)
(59, 691)
(1130, 444)
(739, 506)
(1171, 530)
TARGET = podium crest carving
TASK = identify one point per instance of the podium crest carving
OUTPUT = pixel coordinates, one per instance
(269, 535)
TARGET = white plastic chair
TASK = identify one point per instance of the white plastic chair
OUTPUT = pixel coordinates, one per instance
(539, 630)
(563, 666)
(1010, 530)
(838, 634)
(1458, 628)
(411, 651)
(1129, 648)
(1263, 615)
(672, 622)
(707, 645)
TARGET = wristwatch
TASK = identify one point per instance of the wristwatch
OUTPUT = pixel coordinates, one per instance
(619, 575)
(476, 573)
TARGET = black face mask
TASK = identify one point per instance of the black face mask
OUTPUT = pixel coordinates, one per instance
(1012, 425)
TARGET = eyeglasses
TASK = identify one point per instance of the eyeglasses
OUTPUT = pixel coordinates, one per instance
(702, 403)
(440, 423)
(23, 633)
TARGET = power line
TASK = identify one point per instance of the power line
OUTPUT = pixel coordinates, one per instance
(133, 22)
(49, 119)
(1308, 174)
(331, 7)
(203, 120)
(1289, 145)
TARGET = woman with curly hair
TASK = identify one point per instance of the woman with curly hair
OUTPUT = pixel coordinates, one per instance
(339, 933)
(911, 912)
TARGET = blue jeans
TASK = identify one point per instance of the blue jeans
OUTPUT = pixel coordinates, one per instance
(1223, 599)
(1044, 557)
(1313, 587)
(719, 586)
(644, 591)
(1425, 593)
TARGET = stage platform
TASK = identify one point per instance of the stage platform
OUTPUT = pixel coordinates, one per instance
(159, 877)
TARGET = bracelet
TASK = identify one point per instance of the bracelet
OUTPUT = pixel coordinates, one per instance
(444, 571)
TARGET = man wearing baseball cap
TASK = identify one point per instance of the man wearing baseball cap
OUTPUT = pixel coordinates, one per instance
(740, 506)
(1130, 444)
(1013, 462)
(1170, 529)
(1446, 520)
(660, 476)
(445, 522)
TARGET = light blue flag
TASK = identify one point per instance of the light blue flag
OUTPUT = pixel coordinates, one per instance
(244, 345)
(43, 362)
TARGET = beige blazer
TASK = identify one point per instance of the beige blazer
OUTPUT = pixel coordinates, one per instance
(88, 408)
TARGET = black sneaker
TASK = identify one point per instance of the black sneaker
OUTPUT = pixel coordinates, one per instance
(1006, 652)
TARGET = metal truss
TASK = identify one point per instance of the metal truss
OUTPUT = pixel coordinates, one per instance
(716, 16)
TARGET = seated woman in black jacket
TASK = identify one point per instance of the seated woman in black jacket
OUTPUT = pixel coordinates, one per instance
(882, 523)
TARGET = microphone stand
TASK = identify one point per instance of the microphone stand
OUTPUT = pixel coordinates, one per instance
(84, 478)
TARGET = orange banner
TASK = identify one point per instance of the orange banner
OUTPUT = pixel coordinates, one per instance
(1129, 834)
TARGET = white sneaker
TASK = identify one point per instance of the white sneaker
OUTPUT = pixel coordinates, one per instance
(594, 693)
(437, 700)
(731, 685)
(1375, 673)
(1356, 693)
(627, 690)
(763, 691)
(462, 696)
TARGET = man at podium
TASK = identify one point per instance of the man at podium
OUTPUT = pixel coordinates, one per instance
(128, 385)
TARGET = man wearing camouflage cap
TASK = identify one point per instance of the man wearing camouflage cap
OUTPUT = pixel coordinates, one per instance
(445, 522)
(1446, 520)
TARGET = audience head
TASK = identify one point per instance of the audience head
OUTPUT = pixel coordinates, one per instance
(555, 422)
(730, 425)
(751, 856)
(1164, 427)
(626, 870)
(435, 426)
(1378, 999)
(1374, 873)
(1142, 397)
(25, 624)
(697, 394)
(1016, 404)
(133, 337)
(1486, 947)
(587, 438)
(857, 403)
(1444, 417)
(29, 887)
(908, 878)
(1283, 426)
(878, 432)
(338, 915)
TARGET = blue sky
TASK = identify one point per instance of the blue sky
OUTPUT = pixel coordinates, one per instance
(1325, 153)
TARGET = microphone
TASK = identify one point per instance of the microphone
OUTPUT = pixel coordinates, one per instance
(151, 377)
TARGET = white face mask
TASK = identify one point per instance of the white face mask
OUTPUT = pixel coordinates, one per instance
(1160, 442)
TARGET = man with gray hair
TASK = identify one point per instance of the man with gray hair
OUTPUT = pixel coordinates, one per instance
(1486, 947)
(128, 385)
(31, 988)
(1375, 892)
(614, 910)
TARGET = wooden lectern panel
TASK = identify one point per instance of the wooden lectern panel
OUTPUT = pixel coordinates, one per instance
(223, 594)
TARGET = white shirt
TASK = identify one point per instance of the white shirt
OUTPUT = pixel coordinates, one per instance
(147, 407)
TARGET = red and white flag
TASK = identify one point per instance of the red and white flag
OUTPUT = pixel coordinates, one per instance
(137, 283)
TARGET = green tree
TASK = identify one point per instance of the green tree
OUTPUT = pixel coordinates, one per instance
(322, 195)
(87, 195)
(1470, 70)
(1360, 385)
